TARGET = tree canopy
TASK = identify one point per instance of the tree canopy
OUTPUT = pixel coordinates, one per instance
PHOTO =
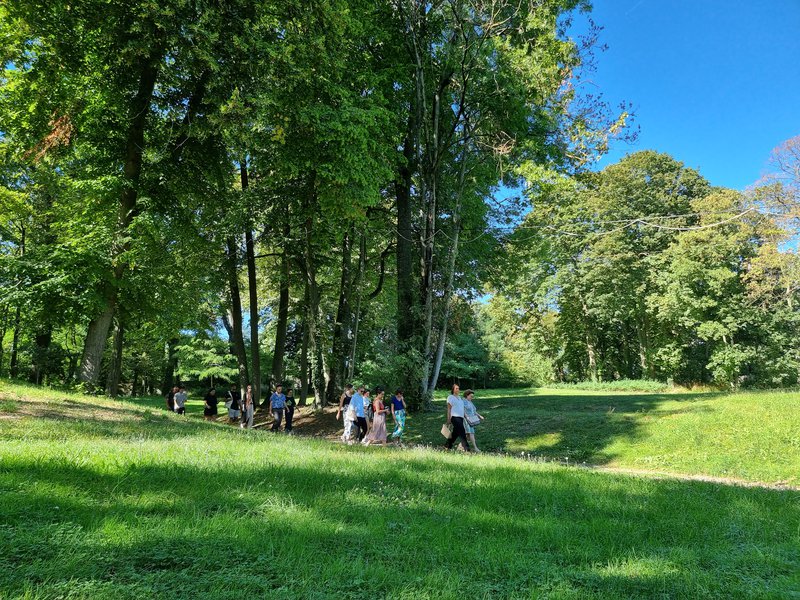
(323, 192)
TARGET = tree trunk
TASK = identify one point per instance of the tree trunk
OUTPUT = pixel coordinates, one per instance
(451, 268)
(95, 344)
(255, 354)
(115, 370)
(312, 299)
(591, 350)
(42, 339)
(236, 325)
(362, 260)
(406, 310)
(169, 371)
(135, 380)
(4, 321)
(304, 364)
(648, 369)
(426, 296)
(341, 328)
(97, 332)
(13, 367)
(283, 311)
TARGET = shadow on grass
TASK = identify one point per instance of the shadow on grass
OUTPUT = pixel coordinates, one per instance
(371, 524)
(573, 428)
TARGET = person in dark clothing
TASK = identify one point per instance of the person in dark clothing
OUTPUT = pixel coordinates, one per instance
(290, 405)
(233, 403)
(171, 399)
(361, 412)
(210, 407)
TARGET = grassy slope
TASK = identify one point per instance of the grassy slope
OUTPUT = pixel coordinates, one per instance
(101, 500)
(747, 436)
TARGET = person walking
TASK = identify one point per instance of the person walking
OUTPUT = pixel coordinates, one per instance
(210, 403)
(471, 418)
(357, 409)
(171, 398)
(377, 434)
(344, 409)
(180, 401)
(455, 417)
(277, 406)
(398, 407)
(290, 406)
(233, 404)
(247, 409)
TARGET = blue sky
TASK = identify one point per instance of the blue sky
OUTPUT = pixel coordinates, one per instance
(715, 83)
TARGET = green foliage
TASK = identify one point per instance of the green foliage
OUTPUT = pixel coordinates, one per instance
(644, 271)
(204, 358)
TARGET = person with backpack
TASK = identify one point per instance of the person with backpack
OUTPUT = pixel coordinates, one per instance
(233, 403)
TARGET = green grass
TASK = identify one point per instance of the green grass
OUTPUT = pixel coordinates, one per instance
(623, 385)
(102, 499)
(749, 436)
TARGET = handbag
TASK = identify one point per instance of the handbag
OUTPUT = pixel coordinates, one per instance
(228, 404)
(447, 430)
(473, 420)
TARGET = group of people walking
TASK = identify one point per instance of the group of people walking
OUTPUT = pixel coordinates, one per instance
(365, 416)
(462, 418)
(363, 411)
(240, 407)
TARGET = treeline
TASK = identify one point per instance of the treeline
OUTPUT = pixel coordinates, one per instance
(262, 190)
(645, 270)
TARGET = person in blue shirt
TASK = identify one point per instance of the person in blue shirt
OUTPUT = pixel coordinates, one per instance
(357, 408)
(399, 414)
(277, 405)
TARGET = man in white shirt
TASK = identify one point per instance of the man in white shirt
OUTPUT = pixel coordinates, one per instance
(180, 401)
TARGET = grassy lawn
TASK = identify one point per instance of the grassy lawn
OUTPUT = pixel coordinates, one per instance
(102, 499)
(749, 436)
(745, 436)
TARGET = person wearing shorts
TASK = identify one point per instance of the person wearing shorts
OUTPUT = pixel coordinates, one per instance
(233, 403)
